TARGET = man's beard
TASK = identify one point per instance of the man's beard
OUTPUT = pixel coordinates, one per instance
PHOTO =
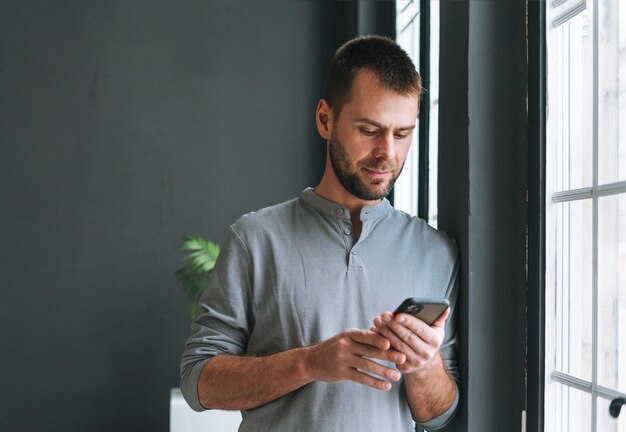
(348, 177)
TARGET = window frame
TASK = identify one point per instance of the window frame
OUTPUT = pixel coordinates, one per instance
(536, 261)
(537, 183)
(421, 144)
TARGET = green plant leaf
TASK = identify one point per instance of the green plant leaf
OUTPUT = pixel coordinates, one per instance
(198, 263)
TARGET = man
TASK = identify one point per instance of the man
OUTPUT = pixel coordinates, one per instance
(291, 332)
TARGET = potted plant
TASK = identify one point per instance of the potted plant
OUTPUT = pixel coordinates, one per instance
(199, 260)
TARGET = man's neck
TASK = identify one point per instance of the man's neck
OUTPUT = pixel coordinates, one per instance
(331, 189)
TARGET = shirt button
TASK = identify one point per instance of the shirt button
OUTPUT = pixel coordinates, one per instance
(354, 252)
(339, 211)
(346, 232)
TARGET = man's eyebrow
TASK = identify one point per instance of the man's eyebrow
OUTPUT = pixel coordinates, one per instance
(378, 125)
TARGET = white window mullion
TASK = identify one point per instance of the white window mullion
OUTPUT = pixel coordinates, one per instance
(594, 241)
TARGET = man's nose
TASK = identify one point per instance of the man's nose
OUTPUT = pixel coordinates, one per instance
(385, 147)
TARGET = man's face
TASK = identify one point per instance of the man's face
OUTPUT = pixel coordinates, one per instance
(348, 172)
(369, 141)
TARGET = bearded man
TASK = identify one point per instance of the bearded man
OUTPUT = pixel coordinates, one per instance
(291, 331)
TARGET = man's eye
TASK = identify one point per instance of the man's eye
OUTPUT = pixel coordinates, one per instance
(402, 136)
(368, 132)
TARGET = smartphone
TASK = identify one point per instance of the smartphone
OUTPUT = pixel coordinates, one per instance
(426, 309)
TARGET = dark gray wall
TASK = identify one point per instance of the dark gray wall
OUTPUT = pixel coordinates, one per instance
(482, 192)
(123, 127)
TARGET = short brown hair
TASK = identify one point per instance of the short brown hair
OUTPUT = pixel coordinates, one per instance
(385, 58)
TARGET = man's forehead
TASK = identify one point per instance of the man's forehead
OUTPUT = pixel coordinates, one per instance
(366, 79)
(382, 108)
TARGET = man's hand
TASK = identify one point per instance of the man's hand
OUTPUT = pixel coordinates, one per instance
(429, 389)
(346, 357)
(242, 383)
(412, 337)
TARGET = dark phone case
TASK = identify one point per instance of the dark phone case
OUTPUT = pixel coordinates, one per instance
(426, 309)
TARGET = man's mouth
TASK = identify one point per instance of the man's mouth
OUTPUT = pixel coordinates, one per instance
(377, 173)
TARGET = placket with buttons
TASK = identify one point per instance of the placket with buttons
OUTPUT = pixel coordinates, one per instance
(347, 231)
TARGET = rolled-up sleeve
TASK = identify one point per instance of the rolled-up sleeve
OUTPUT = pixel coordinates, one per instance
(448, 349)
(225, 320)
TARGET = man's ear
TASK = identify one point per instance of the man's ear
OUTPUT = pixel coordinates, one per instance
(324, 119)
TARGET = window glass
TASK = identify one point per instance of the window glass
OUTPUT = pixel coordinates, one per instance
(612, 292)
(405, 192)
(572, 94)
(574, 306)
(612, 91)
(573, 408)
(408, 30)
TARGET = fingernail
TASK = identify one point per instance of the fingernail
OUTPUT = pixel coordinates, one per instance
(395, 375)
(400, 319)
(386, 318)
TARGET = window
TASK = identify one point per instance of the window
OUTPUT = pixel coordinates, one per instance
(585, 280)
(417, 31)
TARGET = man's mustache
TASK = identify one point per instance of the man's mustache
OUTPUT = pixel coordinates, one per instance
(377, 165)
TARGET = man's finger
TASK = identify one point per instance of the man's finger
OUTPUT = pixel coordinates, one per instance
(441, 321)
(368, 337)
(368, 380)
(396, 338)
(429, 334)
(372, 367)
(369, 351)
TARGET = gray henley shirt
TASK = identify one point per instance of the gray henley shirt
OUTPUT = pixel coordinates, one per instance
(293, 275)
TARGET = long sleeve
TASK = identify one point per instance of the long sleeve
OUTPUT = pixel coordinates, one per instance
(225, 320)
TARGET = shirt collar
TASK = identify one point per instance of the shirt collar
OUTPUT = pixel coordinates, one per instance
(376, 211)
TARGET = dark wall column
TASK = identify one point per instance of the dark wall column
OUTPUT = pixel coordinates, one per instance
(482, 169)
(453, 166)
